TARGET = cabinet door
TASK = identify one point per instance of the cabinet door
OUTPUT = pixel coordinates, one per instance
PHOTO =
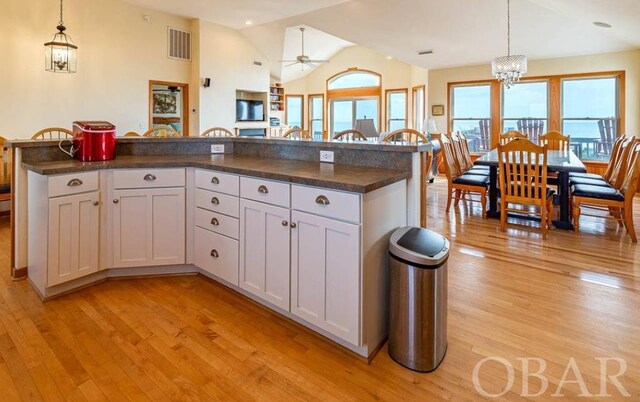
(73, 237)
(264, 251)
(325, 274)
(149, 227)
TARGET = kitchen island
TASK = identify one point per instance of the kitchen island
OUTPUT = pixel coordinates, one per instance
(305, 239)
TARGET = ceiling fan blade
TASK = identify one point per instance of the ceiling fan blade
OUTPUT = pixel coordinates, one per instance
(292, 64)
(318, 61)
(312, 65)
(287, 61)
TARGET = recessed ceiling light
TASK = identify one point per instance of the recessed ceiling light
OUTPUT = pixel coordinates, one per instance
(602, 24)
(248, 22)
(389, 57)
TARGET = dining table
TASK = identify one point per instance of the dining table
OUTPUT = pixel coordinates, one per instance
(562, 162)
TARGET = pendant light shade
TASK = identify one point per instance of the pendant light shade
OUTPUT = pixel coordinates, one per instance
(60, 52)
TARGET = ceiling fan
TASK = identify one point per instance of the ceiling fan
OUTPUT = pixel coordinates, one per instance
(303, 59)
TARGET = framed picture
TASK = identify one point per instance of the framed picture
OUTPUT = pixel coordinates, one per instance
(437, 110)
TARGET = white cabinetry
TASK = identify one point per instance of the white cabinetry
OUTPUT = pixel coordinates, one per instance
(325, 274)
(264, 251)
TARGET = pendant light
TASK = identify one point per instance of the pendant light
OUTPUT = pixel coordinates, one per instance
(60, 52)
(510, 68)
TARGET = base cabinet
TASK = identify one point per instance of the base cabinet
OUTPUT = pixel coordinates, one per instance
(73, 233)
(264, 251)
(216, 254)
(325, 274)
(149, 227)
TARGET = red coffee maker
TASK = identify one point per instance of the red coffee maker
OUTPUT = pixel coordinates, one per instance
(93, 141)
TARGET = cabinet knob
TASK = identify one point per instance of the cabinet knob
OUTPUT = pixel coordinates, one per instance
(214, 222)
(150, 177)
(214, 253)
(285, 223)
(263, 190)
(74, 183)
(293, 225)
(116, 201)
(215, 180)
(215, 201)
(96, 203)
(322, 200)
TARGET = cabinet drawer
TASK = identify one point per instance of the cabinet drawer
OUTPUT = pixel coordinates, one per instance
(218, 223)
(328, 203)
(216, 202)
(217, 255)
(148, 178)
(270, 192)
(67, 184)
(216, 181)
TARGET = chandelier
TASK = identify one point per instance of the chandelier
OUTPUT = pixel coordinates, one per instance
(508, 69)
(60, 52)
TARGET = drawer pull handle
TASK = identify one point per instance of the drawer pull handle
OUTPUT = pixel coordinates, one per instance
(263, 190)
(150, 177)
(116, 201)
(214, 253)
(215, 180)
(96, 203)
(322, 200)
(214, 222)
(285, 223)
(215, 201)
(74, 183)
(293, 225)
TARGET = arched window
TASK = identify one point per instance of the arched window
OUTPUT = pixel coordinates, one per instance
(354, 79)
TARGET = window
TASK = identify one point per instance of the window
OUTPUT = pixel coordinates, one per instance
(396, 109)
(354, 79)
(418, 107)
(525, 108)
(316, 116)
(590, 115)
(346, 112)
(471, 114)
(294, 111)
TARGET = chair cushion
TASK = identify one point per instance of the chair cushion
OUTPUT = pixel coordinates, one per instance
(590, 182)
(477, 172)
(585, 175)
(598, 192)
(480, 167)
(472, 180)
(5, 188)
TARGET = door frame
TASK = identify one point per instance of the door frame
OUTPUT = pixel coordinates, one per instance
(184, 88)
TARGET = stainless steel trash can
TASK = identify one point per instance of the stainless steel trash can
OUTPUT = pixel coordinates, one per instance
(418, 299)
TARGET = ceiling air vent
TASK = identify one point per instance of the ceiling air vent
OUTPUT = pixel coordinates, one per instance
(179, 44)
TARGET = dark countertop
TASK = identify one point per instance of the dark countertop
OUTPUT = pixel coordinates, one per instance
(350, 178)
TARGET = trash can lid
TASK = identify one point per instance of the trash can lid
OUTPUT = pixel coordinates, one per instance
(419, 246)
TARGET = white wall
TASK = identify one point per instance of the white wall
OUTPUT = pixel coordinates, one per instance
(118, 54)
(227, 58)
(627, 61)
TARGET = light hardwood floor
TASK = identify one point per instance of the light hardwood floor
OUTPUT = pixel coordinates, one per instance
(187, 338)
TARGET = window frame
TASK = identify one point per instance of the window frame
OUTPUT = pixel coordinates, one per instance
(387, 94)
(310, 118)
(418, 125)
(354, 93)
(618, 103)
(451, 119)
(286, 108)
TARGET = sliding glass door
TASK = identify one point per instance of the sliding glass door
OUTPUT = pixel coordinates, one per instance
(345, 113)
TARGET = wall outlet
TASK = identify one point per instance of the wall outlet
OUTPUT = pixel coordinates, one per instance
(326, 156)
(217, 148)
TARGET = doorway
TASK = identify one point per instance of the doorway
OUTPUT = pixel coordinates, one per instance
(169, 105)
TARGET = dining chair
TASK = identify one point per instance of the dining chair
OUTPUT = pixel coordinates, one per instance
(5, 172)
(297, 134)
(350, 135)
(615, 153)
(406, 136)
(463, 156)
(510, 136)
(459, 183)
(617, 168)
(555, 141)
(523, 181)
(161, 132)
(52, 133)
(619, 201)
(217, 132)
(132, 134)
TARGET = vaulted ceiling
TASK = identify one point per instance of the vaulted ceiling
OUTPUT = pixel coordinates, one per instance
(461, 32)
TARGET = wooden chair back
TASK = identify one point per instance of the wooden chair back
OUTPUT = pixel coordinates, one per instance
(466, 153)
(555, 141)
(406, 136)
(484, 142)
(161, 132)
(217, 132)
(510, 136)
(52, 133)
(297, 134)
(532, 128)
(608, 134)
(621, 169)
(615, 155)
(132, 134)
(629, 186)
(523, 172)
(461, 147)
(350, 135)
(451, 168)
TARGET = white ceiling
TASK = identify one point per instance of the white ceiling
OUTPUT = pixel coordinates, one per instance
(461, 32)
